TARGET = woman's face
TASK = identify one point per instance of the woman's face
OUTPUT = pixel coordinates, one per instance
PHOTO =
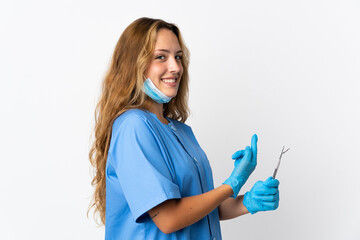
(165, 69)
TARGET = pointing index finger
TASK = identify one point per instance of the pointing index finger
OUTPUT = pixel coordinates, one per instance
(254, 140)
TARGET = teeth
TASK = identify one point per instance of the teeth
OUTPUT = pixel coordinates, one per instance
(168, 80)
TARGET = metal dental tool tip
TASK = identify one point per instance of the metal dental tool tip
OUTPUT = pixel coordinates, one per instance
(277, 167)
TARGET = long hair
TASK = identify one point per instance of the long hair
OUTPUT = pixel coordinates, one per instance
(122, 90)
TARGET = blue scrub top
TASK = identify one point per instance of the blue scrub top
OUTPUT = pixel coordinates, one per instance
(148, 163)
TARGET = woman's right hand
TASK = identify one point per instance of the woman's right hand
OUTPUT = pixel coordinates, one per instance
(245, 163)
(264, 196)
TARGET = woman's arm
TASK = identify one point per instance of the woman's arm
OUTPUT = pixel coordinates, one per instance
(175, 214)
(232, 208)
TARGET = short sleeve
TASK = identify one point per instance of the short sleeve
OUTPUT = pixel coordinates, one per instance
(140, 165)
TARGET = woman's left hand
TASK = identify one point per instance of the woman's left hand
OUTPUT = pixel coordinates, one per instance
(245, 163)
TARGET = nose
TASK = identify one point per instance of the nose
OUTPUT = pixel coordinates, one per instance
(174, 65)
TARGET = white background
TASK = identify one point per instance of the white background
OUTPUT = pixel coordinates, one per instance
(286, 70)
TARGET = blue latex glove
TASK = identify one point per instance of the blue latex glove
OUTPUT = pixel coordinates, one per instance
(263, 196)
(245, 163)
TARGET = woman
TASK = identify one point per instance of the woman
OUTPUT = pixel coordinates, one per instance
(153, 180)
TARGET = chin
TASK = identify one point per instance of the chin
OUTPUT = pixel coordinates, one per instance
(170, 94)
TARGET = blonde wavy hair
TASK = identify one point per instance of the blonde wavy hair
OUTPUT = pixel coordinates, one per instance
(122, 90)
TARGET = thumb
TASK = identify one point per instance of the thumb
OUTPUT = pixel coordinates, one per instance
(271, 182)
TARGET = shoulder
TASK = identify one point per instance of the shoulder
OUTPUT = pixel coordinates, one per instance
(132, 126)
(132, 120)
(131, 117)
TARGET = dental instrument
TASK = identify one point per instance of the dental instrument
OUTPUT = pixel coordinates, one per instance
(277, 167)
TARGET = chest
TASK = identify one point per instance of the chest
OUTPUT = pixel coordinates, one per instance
(188, 164)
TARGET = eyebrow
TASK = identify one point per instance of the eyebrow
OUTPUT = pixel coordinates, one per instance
(165, 50)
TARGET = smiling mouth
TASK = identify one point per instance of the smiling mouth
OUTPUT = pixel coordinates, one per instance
(169, 80)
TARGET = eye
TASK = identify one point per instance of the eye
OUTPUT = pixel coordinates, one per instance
(161, 57)
(178, 57)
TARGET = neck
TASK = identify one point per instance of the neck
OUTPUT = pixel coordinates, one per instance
(157, 109)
